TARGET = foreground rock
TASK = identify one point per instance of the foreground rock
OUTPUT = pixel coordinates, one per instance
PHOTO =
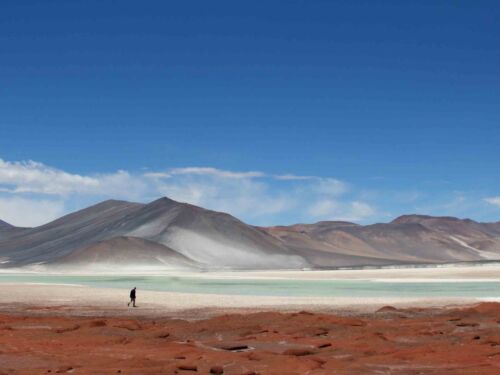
(403, 341)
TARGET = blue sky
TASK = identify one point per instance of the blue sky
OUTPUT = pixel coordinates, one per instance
(393, 106)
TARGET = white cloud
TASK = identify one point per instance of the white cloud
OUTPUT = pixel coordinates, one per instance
(323, 209)
(243, 197)
(330, 186)
(29, 212)
(252, 196)
(157, 175)
(495, 201)
(33, 177)
(207, 171)
(359, 211)
(293, 177)
(330, 209)
(37, 178)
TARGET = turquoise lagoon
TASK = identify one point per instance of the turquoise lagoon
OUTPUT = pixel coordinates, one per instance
(272, 287)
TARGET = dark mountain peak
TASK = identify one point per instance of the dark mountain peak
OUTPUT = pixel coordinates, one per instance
(415, 218)
(113, 203)
(5, 225)
(166, 204)
(322, 224)
(411, 218)
(335, 223)
(163, 202)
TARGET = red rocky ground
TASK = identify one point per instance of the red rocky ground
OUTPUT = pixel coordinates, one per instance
(411, 341)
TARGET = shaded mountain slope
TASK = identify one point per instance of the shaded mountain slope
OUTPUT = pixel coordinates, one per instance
(125, 251)
(213, 239)
(407, 239)
(209, 237)
(68, 233)
(6, 229)
(9, 230)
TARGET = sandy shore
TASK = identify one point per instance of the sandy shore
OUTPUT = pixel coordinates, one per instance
(83, 300)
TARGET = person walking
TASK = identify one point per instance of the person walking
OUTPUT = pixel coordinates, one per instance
(132, 297)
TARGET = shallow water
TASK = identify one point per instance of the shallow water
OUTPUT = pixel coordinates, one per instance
(281, 287)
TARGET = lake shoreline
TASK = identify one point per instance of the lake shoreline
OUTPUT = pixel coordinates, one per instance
(89, 301)
(479, 271)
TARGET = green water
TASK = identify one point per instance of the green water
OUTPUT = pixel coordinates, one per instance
(260, 287)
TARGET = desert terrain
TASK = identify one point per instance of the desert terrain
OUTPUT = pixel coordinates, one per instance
(452, 340)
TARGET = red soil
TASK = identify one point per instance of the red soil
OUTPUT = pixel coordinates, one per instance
(391, 341)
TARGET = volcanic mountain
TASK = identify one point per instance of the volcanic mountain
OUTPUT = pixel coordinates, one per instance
(407, 239)
(170, 234)
(164, 232)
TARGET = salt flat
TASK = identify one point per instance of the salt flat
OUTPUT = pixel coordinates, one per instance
(83, 300)
(487, 271)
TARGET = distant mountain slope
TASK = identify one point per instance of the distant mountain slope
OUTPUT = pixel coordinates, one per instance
(407, 239)
(125, 251)
(173, 234)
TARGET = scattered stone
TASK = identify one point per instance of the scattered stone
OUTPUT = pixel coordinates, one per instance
(188, 368)
(298, 352)
(232, 347)
(97, 323)
(467, 324)
(217, 370)
(130, 326)
(381, 336)
(387, 309)
(353, 322)
(69, 329)
(65, 369)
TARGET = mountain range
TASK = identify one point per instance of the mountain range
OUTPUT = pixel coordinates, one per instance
(169, 234)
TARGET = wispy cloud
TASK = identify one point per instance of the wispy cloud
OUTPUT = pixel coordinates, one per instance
(254, 196)
(495, 201)
(204, 171)
(330, 209)
(37, 178)
(292, 177)
(207, 171)
(32, 193)
(33, 177)
(29, 212)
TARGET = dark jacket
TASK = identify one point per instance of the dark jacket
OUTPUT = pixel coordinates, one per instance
(132, 294)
